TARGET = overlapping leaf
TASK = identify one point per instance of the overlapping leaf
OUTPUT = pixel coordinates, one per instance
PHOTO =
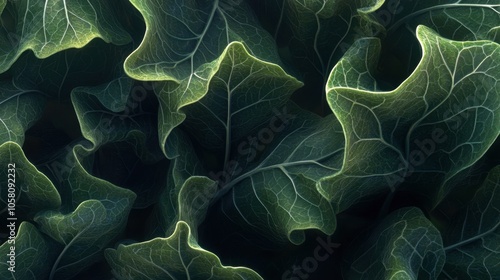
(93, 213)
(116, 116)
(473, 240)
(405, 245)
(187, 193)
(101, 208)
(246, 119)
(97, 213)
(84, 233)
(318, 32)
(439, 121)
(232, 75)
(244, 93)
(176, 257)
(229, 136)
(19, 109)
(314, 34)
(56, 76)
(32, 252)
(107, 113)
(183, 36)
(32, 190)
(273, 192)
(461, 20)
(47, 27)
(464, 20)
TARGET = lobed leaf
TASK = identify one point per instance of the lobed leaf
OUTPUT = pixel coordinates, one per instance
(83, 234)
(182, 36)
(273, 191)
(48, 27)
(431, 126)
(235, 78)
(175, 257)
(33, 191)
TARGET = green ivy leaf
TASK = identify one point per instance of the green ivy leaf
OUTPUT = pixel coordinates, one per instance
(33, 251)
(94, 212)
(312, 35)
(84, 233)
(318, 32)
(19, 109)
(472, 241)
(241, 95)
(176, 257)
(429, 127)
(106, 112)
(187, 193)
(244, 117)
(273, 191)
(460, 20)
(54, 25)
(33, 190)
(119, 115)
(464, 20)
(234, 75)
(182, 36)
(56, 76)
(405, 245)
